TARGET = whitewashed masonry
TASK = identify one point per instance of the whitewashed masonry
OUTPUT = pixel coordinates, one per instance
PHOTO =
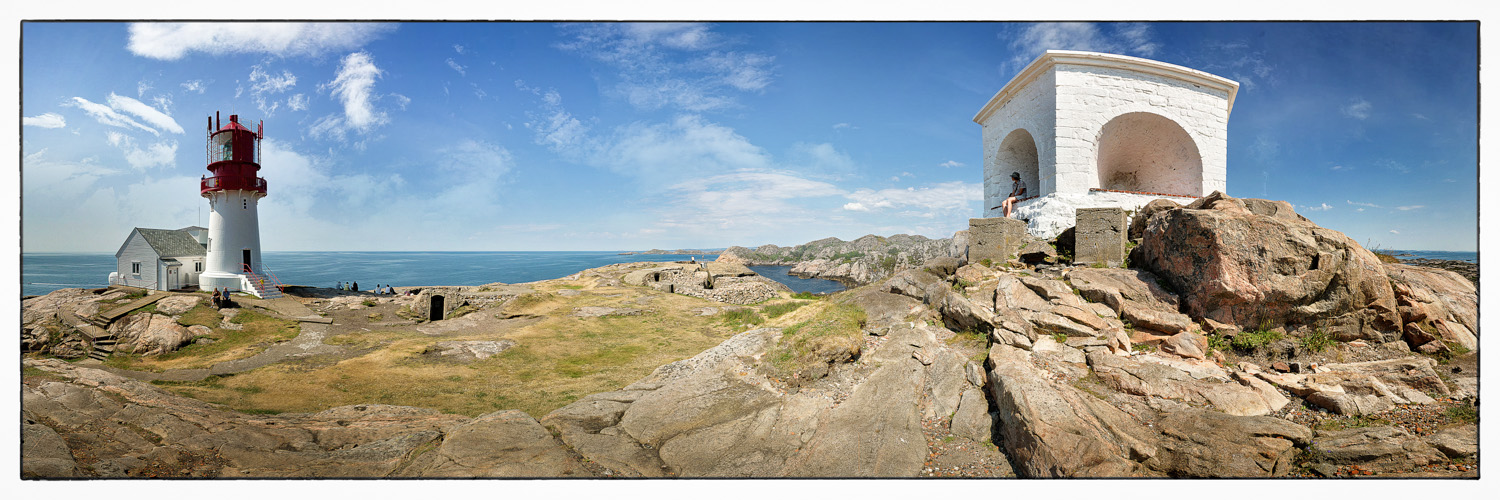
(1092, 130)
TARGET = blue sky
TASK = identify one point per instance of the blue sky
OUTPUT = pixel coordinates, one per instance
(600, 136)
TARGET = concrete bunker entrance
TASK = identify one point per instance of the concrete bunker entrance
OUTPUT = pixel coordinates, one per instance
(1017, 154)
(435, 308)
(1148, 153)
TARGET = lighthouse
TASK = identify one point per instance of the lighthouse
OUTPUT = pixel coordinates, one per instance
(233, 190)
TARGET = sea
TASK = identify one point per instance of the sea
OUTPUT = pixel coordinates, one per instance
(43, 273)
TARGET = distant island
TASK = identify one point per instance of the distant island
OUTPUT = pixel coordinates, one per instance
(686, 251)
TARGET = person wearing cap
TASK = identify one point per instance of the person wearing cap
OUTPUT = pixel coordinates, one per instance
(1017, 191)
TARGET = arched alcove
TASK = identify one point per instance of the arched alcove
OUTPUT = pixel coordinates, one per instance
(1017, 154)
(1147, 152)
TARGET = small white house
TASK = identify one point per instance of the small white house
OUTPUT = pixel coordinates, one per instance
(1092, 130)
(161, 259)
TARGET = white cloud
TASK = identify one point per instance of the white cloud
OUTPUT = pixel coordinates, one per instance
(297, 102)
(106, 115)
(172, 41)
(855, 206)
(1410, 207)
(1122, 38)
(837, 126)
(821, 157)
(456, 67)
(44, 120)
(158, 154)
(1393, 231)
(1340, 167)
(939, 199)
(950, 164)
(145, 112)
(458, 48)
(1357, 108)
(194, 86)
(1394, 166)
(1319, 208)
(354, 87)
(670, 64)
(263, 83)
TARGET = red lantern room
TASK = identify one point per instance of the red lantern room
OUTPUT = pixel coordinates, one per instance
(233, 157)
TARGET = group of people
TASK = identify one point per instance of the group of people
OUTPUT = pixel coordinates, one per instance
(221, 299)
(353, 286)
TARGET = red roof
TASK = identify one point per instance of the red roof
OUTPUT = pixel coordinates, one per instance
(235, 126)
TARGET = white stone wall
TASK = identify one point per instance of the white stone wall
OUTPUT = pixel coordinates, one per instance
(1088, 97)
(1033, 109)
(1051, 214)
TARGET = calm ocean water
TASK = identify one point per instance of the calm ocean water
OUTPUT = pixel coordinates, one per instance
(43, 273)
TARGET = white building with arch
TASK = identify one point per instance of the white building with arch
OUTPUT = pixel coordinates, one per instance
(1090, 130)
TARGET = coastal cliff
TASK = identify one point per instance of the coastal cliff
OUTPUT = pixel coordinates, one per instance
(859, 262)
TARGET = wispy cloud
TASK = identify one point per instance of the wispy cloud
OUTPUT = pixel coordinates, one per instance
(1359, 204)
(263, 84)
(1404, 208)
(937, 200)
(1357, 108)
(1319, 208)
(1393, 231)
(1120, 38)
(456, 67)
(1340, 167)
(838, 126)
(158, 154)
(950, 164)
(297, 102)
(458, 48)
(172, 41)
(1236, 61)
(145, 112)
(107, 115)
(1394, 166)
(44, 120)
(196, 86)
(676, 65)
(354, 88)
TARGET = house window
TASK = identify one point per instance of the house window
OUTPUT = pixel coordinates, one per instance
(197, 267)
(135, 268)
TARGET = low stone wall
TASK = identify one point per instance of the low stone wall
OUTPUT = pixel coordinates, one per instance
(454, 297)
(717, 281)
(1050, 215)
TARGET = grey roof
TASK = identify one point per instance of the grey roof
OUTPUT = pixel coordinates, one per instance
(172, 242)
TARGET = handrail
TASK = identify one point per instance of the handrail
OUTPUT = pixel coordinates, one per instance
(228, 182)
(265, 273)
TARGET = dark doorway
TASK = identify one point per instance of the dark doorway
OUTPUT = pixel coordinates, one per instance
(245, 255)
(436, 312)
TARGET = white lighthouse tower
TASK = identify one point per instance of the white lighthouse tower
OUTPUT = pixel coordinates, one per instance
(233, 189)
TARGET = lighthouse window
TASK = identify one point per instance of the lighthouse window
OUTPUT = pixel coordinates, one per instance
(246, 204)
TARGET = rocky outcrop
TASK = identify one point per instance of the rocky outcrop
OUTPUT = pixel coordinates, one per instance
(149, 334)
(862, 261)
(1255, 262)
(119, 427)
(1379, 448)
(1365, 387)
(1436, 306)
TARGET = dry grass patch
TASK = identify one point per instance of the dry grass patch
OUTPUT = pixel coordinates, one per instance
(833, 334)
(557, 360)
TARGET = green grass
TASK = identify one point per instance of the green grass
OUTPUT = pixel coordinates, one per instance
(257, 331)
(736, 317)
(777, 310)
(832, 335)
(1251, 340)
(1467, 413)
(200, 315)
(1317, 341)
(806, 296)
(1217, 343)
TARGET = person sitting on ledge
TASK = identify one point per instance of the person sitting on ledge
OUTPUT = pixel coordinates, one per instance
(1017, 191)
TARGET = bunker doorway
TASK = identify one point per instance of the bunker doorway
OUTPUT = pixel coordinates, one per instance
(436, 309)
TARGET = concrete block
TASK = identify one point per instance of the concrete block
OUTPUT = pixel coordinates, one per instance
(1100, 236)
(995, 238)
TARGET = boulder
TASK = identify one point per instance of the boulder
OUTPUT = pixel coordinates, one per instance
(1138, 222)
(1436, 302)
(177, 304)
(1365, 387)
(1135, 295)
(1186, 344)
(973, 419)
(151, 334)
(1457, 443)
(1051, 429)
(1249, 269)
(1198, 443)
(1377, 448)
